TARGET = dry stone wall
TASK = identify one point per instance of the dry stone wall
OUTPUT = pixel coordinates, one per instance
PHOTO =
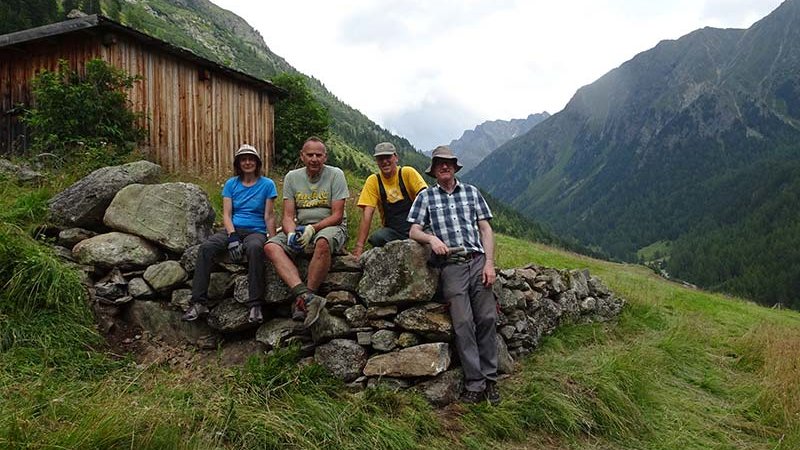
(384, 322)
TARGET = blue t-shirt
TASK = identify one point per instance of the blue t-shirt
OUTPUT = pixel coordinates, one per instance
(249, 202)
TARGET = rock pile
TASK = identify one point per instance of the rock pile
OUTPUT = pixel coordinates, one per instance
(384, 322)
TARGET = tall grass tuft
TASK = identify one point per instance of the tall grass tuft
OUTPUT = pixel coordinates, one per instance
(773, 354)
(46, 324)
(33, 279)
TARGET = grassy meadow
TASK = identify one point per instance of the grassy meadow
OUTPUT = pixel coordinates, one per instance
(681, 368)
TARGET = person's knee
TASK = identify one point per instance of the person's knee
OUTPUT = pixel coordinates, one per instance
(208, 248)
(486, 321)
(383, 236)
(462, 324)
(376, 239)
(254, 250)
(273, 251)
(322, 247)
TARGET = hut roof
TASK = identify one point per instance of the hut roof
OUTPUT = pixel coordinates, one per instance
(99, 23)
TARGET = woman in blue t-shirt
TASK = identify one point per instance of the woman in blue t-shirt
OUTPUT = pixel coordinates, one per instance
(248, 217)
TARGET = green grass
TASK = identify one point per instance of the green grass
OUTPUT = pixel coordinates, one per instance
(681, 368)
(654, 251)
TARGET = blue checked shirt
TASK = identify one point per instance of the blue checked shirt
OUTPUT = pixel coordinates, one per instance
(452, 217)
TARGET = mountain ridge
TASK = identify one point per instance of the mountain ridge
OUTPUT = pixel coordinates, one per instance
(664, 143)
(476, 143)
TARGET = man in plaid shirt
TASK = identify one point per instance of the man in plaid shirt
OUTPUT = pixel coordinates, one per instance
(459, 218)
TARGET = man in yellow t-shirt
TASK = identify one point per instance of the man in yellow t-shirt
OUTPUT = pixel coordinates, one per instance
(391, 191)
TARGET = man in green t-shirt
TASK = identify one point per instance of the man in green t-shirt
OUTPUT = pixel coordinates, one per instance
(313, 221)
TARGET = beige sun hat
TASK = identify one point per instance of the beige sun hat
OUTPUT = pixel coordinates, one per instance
(384, 149)
(442, 152)
(247, 149)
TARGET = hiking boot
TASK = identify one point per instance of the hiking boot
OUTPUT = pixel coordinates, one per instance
(299, 310)
(471, 397)
(492, 393)
(313, 304)
(196, 311)
(255, 314)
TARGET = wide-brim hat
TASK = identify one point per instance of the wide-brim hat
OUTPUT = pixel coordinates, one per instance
(442, 152)
(246, 149)
(384, 149)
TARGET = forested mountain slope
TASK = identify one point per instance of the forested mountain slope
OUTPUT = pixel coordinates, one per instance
(695, 142)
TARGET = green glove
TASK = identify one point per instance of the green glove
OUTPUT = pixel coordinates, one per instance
(307, 236)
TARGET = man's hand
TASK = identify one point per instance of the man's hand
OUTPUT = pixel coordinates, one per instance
(357, 250)
(489, 275)
(307, 236)
(293, 239)
(234, 248)
(437, 246)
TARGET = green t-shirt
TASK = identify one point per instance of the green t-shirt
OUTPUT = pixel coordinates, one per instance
(312, 199)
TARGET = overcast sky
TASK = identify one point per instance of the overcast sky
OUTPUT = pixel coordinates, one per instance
(428, 70)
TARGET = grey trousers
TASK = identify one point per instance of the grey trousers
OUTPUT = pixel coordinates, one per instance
(473, 311)
(218, 243)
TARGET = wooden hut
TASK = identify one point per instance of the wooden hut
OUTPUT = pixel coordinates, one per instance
(198, 112)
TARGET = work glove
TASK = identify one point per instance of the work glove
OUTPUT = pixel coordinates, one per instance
(234, 248)
(307, 236)
(293, 240)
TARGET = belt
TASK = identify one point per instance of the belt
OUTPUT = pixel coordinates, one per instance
(463, 257)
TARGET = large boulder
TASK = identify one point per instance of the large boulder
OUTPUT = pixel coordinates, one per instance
(343, 358)
(505, 363)
(276, 332)
(340, 281)
(160, 320)
(397, 273)
(275, 290)
(424, 360)
(444, 389)
(71, 236)
(138, 288)
(23, 173)
(384, 340)
(116, 250)
(175, 215)
(328, 327)
(84, 203)
(165, 275)
(230, 316)
(430, 320)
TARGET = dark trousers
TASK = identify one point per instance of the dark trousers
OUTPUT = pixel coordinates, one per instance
(218, 243)
(473, 312)
(384, 235)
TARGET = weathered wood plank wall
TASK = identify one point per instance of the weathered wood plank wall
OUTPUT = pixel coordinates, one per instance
(196, 118)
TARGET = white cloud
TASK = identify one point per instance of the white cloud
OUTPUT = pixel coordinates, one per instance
(429, 70)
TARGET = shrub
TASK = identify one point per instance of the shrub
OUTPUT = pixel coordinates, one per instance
(297, 116)
(86, 118)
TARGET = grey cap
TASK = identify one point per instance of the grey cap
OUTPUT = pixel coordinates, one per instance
(384, 149)
(442, 152)
(247, 149)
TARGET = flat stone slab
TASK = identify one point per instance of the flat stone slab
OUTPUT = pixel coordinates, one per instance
(425, 360)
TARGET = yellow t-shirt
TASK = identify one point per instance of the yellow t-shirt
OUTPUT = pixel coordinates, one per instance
(371, 195)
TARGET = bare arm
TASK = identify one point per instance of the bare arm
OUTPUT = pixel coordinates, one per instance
(269, 216)
(363, 229)
(337, 214)
(416, 233)
(287, 221)
(487, 241)
(227, 214)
